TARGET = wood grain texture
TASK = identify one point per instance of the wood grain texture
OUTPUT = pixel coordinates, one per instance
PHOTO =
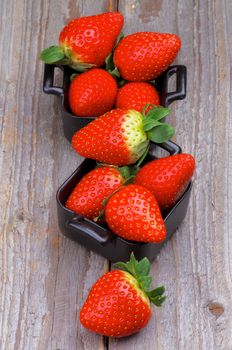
(195, 266)
(44, 278)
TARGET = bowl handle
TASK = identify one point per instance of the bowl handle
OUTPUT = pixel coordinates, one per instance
(171, 147)
(48, 81)
(181, 84)
(89, 230)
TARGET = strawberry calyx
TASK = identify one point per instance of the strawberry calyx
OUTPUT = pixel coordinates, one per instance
(61, 55)
(140, 271)
(124, 170)
(110, 66)
(53, 54)
(126, 173)
(157, 131)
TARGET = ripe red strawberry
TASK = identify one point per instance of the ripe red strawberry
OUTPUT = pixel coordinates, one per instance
(92, 93)
(85, 42)
(118, 304)
(133, 213)
(121, 136)
(167, 178)
(143, 56)
(97, 185)
(136, 96)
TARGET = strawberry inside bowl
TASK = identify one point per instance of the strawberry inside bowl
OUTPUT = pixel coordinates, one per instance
(98, 237)
(73, 123)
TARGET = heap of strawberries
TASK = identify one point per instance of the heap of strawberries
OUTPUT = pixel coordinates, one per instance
(118, 72)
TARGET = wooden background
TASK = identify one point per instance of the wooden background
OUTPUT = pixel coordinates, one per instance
(44, 278)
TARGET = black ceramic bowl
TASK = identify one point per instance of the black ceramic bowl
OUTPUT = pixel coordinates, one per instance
(102, 240)
(72, 123)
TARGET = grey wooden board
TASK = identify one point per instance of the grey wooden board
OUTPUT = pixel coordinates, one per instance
(44, 278)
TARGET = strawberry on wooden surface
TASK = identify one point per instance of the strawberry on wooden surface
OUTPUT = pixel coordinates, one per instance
(136, 95)
(133, 213)
(87, 197)
(145, 55)
(167, 178)
(119, 303)
(85, 42)
(92, 93)
(121, 136)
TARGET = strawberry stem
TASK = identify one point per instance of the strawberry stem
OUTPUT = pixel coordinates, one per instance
(141, 159)
(140, 270)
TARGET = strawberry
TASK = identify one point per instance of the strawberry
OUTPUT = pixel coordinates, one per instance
(92, 93)
(119, 303)
(167, 178)
(136, 95)
(87, 197)
(143, 56)
(85, 42)
(133, 213)
(121, 136)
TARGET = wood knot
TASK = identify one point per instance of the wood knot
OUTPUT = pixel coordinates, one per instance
(216, 309)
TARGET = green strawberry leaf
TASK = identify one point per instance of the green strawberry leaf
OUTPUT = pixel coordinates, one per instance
(158, 301)
(52, 54)
(121, 265)
(161, 133)
(110, 66)
(156, 295)
(100, 216)
(129, 180)
(121, 82)
(115, 73)
(151, 119)
(81, 66)
(143, 267)
(134, 169)
(119, 38)
(140, 270)
(158, 112)
(129, 266)
(98, 165)
(158, 291)
(143, 156)
(153, 82)
(146, 107)
(151, 125)
(124, 171)
(155, 113)
(73, 76)
(109, 62)
(145, 282)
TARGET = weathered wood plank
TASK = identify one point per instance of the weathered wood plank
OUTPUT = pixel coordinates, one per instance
(195, 266)
(44, 277)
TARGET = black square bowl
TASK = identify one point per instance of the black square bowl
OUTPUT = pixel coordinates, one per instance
(72, 123)
(100, 239)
